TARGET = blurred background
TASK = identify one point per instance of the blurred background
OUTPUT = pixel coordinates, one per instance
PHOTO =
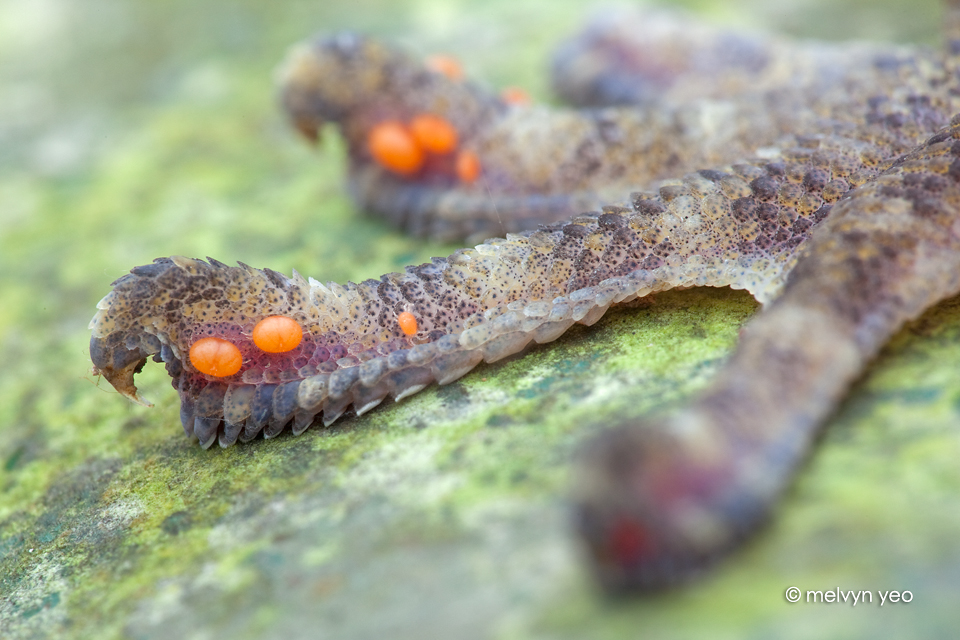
(131, 130)
(69, 68)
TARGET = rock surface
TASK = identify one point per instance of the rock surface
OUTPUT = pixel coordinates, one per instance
(131, 132)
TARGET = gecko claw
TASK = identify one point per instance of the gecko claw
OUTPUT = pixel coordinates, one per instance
(296, 75)
(118, 365)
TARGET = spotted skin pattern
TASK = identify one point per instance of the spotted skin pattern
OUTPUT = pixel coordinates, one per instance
(544, 165)
(840, 208)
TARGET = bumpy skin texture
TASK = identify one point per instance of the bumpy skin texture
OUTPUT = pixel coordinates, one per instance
(544, 165)
(839, 201)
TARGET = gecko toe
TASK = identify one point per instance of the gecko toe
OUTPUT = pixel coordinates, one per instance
(118, 364)
(645, 506)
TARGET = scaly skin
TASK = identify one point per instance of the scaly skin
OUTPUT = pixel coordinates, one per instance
(661, 500)
(542, 165)
(849, 223)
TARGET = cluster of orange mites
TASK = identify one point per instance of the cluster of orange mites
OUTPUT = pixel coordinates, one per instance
(404, 148)
(221, 358)
(275, 334)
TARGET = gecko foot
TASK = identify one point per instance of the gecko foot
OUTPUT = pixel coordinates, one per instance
(655, 510)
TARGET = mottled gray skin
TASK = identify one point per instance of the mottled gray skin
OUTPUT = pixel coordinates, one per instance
(849, 223)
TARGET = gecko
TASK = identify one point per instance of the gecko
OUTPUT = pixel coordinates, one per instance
(822, 178)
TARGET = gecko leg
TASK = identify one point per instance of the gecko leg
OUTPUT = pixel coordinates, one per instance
(659, 501)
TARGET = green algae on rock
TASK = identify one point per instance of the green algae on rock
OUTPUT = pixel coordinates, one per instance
(330, 531)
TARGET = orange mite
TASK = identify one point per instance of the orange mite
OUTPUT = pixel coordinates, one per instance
(215, 357)
(277, 334)
(394, 148)
(408, 323)
(515, 95)
(433, 133)
(446, 65)
(468, 166)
